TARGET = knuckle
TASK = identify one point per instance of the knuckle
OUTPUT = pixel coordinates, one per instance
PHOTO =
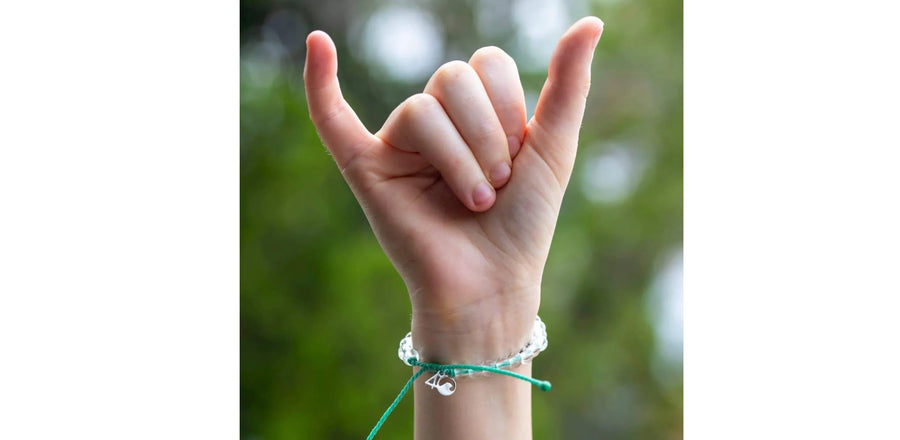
(577, 87)
(418, 104)
(356, 172)
(451, 71)
(489, 131)
(323, 118)
(456, 162)
(490, 54)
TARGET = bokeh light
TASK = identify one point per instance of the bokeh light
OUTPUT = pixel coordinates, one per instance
(404, 42)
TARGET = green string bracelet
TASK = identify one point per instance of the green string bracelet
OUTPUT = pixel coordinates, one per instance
(443, 371)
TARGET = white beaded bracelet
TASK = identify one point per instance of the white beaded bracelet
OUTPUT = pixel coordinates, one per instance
(535, 345)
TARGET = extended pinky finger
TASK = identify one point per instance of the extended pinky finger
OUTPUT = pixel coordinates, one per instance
(421, 125)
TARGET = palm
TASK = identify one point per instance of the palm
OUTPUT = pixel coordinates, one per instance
(445, 243)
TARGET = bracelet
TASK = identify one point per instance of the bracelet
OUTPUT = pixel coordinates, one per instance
(534, 347)
(443, 380)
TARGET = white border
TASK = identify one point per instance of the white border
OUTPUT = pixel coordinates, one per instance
(792, 220)
(119, 226)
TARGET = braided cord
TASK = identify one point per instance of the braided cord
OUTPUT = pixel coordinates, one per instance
(396, 402)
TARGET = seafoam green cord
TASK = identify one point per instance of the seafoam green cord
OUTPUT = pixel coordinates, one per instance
(449, 370)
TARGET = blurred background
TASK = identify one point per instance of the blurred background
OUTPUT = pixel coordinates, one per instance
(322, 309)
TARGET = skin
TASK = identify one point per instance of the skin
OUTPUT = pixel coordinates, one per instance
(463, 195)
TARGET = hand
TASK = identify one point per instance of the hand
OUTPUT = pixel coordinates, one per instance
(461, 192)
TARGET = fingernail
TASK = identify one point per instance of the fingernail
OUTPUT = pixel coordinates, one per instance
(500, 174)
(482, 194)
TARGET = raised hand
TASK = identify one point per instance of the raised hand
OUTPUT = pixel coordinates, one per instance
(461, 192)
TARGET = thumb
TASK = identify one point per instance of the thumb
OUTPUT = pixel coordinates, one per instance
(338, 126)
(560, 107)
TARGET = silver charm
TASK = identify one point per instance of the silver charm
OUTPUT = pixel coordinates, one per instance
(443, 383)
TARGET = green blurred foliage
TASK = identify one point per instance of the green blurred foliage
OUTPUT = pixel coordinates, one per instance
(322, 309)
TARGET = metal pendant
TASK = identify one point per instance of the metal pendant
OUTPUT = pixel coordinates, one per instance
(443, 383)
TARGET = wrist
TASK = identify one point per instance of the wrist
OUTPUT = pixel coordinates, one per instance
(489, 330)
